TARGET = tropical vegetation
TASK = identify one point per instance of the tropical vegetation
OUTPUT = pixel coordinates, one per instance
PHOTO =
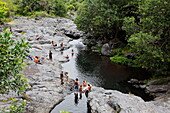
(142, 25)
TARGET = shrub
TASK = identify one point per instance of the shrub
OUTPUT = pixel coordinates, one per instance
(120, 59)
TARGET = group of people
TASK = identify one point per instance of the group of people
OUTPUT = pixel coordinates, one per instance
(55, 45)
(82, 88)
(62, 77)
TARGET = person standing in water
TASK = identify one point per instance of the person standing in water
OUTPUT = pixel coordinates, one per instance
(72, 52)
(61, 78)
(84, 83)
(81, 90)
(66, 74)
(76, 85)
(88, 90)
(50, 55)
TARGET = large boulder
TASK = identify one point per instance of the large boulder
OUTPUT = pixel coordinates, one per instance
(112, 101)
(72, 34)
(107, 50)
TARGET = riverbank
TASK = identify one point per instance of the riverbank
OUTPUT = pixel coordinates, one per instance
(46, 91)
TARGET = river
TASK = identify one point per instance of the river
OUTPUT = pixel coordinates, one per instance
(98, 71)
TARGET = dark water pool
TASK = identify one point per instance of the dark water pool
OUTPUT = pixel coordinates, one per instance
(99, 71)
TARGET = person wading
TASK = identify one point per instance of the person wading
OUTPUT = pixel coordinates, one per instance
(76, 85)
(66, 74)
(88, 90)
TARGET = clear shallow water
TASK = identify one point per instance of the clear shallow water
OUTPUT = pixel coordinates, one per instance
(99, 71)
(73, 104)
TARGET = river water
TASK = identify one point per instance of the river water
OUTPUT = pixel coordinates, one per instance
(98, 71)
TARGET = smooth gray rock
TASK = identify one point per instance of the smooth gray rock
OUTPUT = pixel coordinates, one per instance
(112, 101)
(106, 50)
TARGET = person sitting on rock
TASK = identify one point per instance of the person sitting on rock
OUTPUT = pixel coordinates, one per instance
(37, 61)
(53, 44)
(29, 57)
(61, 46)
(37, 37)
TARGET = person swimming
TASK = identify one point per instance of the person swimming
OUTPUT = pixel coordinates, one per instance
(67, 57)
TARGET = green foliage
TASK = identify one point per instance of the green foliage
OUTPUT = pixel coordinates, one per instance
(15, 107)
(12, 54)
(117, 51)
(11, 6)
(120, 60)
(72, 13)
(74, 3)
(99, 48)
(39, 13)
(41, 7)
(58, 8)
(151, 56)
(3, 9)
(150, 36)
(102, 18)
(129, 25)
(70, 7)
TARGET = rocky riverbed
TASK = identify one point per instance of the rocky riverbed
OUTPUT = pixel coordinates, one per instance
(46, 91)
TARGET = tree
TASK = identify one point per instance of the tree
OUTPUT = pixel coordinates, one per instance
(12, 54)
(150, 36)
(58, 8)
(102, 18)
